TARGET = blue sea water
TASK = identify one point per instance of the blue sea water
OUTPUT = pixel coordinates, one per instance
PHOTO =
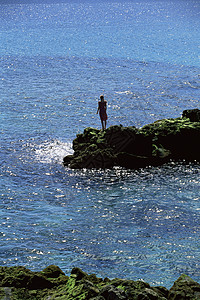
(55, 61)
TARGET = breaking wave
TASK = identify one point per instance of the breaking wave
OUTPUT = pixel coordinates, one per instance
(53, 151)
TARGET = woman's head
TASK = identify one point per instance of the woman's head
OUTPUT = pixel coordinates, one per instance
(102, 98)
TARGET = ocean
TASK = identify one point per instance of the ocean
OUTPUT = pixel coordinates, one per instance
(56, 58)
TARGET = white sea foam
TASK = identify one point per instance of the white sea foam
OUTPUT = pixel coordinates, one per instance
(53, 151)
(125, 92)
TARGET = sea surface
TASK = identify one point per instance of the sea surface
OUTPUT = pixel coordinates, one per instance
(55, 61)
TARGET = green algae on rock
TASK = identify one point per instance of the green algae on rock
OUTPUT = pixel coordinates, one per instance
(184, 288)
(130, 147)
(19, 283)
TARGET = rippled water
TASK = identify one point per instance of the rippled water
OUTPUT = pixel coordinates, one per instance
(55, 61)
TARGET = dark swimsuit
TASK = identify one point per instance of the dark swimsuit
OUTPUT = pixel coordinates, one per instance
(102, 110)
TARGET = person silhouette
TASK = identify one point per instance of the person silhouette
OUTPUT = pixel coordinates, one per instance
(102, 108)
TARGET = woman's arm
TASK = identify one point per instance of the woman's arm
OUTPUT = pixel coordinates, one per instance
(98, 108)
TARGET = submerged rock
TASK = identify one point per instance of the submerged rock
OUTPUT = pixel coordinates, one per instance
(16, 283)
(130, 147)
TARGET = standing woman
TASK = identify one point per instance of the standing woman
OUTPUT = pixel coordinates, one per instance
(102, 107)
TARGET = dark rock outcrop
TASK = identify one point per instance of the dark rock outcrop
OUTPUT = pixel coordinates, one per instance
(192, 114)
(130, 147)
(184, 288)
(17, 283)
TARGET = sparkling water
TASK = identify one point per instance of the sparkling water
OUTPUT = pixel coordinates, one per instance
(55, 61)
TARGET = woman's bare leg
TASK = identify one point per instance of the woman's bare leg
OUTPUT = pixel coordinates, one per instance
(102, 124)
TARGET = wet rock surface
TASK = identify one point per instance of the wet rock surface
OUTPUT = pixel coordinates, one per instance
(130, 147)
(17, 283)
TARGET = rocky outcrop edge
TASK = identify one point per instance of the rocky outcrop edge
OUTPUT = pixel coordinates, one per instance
(20, 283)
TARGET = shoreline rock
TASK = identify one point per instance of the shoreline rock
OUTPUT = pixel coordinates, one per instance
(19, 283)
(129, 147)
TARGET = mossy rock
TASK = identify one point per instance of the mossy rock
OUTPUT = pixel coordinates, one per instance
(52, 271)
(27, 280)
(129, 147)
(78, 287)
(81, 286)
(101, 158)
(55, 275)
(192, 114)
(184, 288)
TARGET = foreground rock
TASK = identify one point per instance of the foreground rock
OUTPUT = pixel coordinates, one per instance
(17, 283)
(130, 147)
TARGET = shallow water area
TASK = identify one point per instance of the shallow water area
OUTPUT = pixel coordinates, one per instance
(140, 224)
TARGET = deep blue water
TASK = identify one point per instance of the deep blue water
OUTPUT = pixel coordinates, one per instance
(55, 61)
